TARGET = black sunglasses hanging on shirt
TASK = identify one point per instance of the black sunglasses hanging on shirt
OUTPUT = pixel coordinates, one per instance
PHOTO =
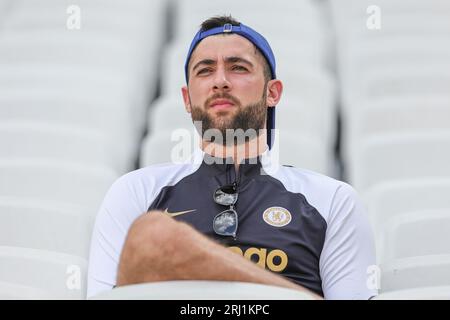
(226, 222)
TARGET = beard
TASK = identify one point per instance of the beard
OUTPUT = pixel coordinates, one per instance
(251, 119)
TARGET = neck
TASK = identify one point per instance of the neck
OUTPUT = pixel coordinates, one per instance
(250, 149)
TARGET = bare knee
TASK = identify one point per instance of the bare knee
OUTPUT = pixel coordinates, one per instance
(149, 246)
(149, 231)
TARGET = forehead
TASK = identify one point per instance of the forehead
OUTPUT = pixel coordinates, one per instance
(224, 45)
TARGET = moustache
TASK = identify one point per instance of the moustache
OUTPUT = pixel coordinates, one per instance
(224, 95)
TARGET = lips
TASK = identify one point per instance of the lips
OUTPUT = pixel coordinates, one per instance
(221, 104)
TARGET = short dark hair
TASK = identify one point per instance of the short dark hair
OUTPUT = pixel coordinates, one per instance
(220, 21)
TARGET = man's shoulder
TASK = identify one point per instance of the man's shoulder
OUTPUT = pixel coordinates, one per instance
(320, 190)
(155, 173)
(138, 188)
(146, 181)
(306, 179)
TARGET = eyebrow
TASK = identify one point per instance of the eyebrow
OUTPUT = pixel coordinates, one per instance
(210, 62)
(238, 59)
(207, 62)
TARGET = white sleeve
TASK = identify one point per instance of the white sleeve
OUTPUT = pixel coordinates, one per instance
(348, 249)
(122, 204)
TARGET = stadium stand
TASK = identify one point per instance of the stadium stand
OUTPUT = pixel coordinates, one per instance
(41, 274)
(79, 107)
(44, 225)
(382, 158)
(401, 196)
(63, 143)
(73, 104)
(394, 107)
(415, 273)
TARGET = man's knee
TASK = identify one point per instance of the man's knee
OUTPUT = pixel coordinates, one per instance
(152, 241)
(142, 245)
(154, 234)
(147, 230)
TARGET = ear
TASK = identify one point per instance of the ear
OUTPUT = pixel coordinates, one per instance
(186, 99)
(274, 91)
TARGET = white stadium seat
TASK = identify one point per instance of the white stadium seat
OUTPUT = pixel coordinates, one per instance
(174, 146)
(14, 291)
(407, 58)
(260, 15)
(168, 113)
(54, 47)
(125, 22)
(426, 17)
(73, 105)
(423, 81)
(4, 6)
(107, 67)
(426, 293)
(415, 272)
(116, 34)
(202, 290)
(417, 233)
(391, 198)
(38, 274)
(82, 80)
(315, 86)
(303, 152)
(393, 81)
(62, 184)
(400, 156)
(393, 25)
(70, 144)
(387, 69)
(297, 114)
(369, 54)
(410, 219)
(42, 225)
(402, 114)
(68, 108)
(54, 110)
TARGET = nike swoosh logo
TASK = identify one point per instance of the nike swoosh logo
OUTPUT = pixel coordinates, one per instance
(174, 214)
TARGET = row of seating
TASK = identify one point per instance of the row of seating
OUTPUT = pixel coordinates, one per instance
(73, 103)
(73, 109)
(395, 110)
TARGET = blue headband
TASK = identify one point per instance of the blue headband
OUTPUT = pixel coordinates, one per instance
(260, 42)
(254, 37)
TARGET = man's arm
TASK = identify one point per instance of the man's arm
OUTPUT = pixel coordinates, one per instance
(349, 250)
(158, 248)
(123, 204)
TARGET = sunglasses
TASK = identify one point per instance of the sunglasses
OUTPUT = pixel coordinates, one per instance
(226, 222)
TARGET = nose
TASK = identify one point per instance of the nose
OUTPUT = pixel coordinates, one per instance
(221, 81)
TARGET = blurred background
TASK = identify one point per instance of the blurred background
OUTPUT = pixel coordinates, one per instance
(90, 89)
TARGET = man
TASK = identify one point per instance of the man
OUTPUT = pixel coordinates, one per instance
(300, 229)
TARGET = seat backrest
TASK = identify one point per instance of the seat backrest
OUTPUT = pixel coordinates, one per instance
(30, 273)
